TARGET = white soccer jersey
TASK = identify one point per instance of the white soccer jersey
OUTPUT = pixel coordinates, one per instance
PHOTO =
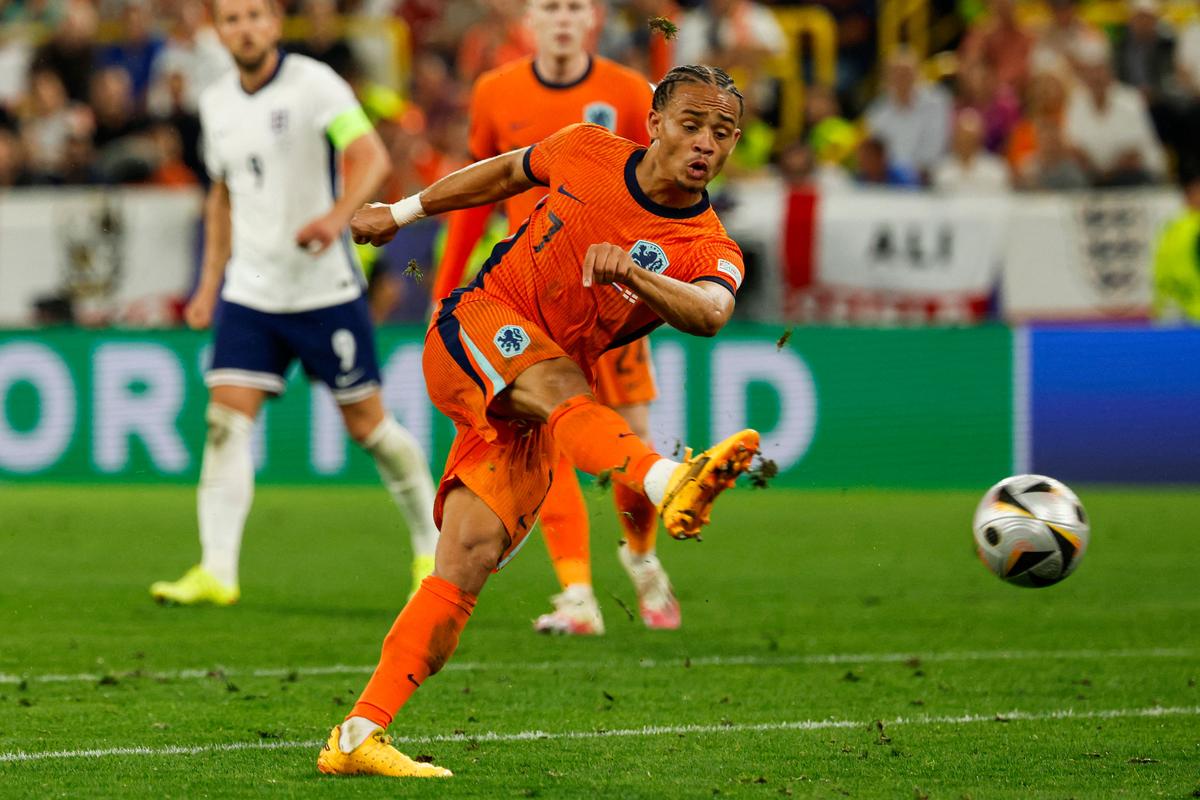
(271, 149)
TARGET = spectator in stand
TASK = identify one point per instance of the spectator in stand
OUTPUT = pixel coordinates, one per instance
(1000, 45)
(970, 168)
(1187, 58)
(114, 106)
(46, 122)
(996, 103)
(434, 91)
(12, 161)
(500, 37)
(16, 55)
(173, 109)
(193, 53)
(1176, 266)
(1145, 52)
(831, 137)
(139, 47)
(1047, 105)
(911, 118)
(79, 159)
(1060, 42)
(801, 170)
(324, 42)
(170, 170)
(875, 169)
(1110, 125)
(1053, 165)
(71, 53)
(731, 34)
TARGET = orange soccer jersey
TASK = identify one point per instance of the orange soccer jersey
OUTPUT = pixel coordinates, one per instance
(513, 107)
(594, 197)
(528, 304)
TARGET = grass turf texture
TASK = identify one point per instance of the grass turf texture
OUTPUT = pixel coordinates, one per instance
(782, 578)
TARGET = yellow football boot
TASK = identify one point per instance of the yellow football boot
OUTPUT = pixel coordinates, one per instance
(375, 756)
(422, 568)
(197, 586)
(696, 483)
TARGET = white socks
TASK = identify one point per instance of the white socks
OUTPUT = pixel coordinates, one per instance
(405, 473)
(657, 477)
(226, 491)
(354, 732)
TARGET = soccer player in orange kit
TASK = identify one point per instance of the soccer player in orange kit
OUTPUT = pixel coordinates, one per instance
(624, 241)
(515, 106)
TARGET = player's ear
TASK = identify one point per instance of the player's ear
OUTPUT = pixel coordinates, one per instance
(654, 122)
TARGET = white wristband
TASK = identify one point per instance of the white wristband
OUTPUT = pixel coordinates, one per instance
(407, 210)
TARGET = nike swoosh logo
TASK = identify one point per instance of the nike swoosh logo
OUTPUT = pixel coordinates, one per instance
(350, 377)
(562, 189)
(413, 680)
(516, 126)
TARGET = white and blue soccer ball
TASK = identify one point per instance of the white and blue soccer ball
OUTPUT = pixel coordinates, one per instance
(1031, 530)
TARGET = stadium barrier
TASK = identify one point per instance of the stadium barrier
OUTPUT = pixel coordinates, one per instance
(872, 256)
(921, 407)
(867, 257)
(1112, 404)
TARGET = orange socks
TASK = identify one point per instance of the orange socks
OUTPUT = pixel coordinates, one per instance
(597, 439)
(564, 521)
(638, 517)
(421, 640)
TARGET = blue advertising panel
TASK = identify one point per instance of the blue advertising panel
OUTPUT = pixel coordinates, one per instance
(1116, 403)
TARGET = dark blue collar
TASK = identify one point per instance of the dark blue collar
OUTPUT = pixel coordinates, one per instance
(551, 85)
(643, 200)
(267, 82)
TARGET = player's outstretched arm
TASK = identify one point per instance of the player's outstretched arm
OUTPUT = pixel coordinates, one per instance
(481, 183)
(217, 249)
(700, 309)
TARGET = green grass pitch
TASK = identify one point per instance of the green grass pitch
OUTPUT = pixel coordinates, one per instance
(835, 644)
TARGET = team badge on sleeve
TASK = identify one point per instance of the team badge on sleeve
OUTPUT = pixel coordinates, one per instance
(727, 268)
(511, 340)
(648, 255)
(601, 114)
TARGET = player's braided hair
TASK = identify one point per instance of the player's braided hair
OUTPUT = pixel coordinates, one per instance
(695, 73)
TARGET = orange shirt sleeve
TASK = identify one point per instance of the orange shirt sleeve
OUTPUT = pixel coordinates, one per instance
(543, 158)
(720, 262)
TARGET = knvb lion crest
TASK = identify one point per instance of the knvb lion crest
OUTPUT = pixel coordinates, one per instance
(511, 340)
(648, 255)
(601, 114)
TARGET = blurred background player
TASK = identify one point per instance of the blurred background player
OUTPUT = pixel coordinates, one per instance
(514, 106)
(625, 241)
(292, 287)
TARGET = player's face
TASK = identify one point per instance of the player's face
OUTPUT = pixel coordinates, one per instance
(250, 29)
(695, 133)
(561, 27)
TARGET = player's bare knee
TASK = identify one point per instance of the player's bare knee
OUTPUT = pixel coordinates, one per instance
(483, 551)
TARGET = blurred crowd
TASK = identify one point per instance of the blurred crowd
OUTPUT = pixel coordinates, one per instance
(104, 91)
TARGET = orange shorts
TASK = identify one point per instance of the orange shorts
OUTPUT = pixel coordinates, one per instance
(625, 376)
(474, 349)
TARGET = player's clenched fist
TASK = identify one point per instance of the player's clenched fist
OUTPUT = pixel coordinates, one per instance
(606, 263)
(373, 224)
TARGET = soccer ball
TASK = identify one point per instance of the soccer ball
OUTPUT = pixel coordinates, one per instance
(1031, 530)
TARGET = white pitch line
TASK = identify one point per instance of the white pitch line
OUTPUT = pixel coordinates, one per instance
(649, 730)
(645, 663)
